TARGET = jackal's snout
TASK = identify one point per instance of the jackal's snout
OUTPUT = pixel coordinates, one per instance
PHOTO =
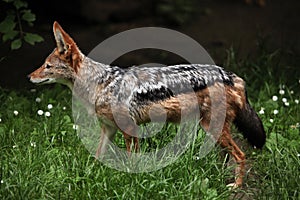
(38, 76)
(29, 76)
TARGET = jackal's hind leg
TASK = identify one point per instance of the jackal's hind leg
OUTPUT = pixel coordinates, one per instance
(107, 134)
(226, 141)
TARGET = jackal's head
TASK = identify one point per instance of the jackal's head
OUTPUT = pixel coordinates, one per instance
(62, 64)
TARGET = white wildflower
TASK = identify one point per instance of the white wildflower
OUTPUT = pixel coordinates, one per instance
(14, 146)
(38, 100)
(271, 120)
(0, 120)
(275, 112)
(262, 111)
(297, 101)
(284, 100)
(292, 91)
(16, 112)
(40, 112)
(274, 98)
(33, 144)
(33, 90)
(197, 158)
(64, 108)
(75, 126)
(1, 181)
(50, 106)
(281, 92)
(47, 114)
(286, 103)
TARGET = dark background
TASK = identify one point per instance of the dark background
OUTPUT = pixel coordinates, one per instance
(217, 25)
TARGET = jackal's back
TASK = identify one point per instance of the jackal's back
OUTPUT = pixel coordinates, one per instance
(149, 84)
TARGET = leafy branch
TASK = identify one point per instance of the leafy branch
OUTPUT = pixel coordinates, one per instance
(11, 27)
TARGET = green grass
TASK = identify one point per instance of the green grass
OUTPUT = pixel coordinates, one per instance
(43, 158)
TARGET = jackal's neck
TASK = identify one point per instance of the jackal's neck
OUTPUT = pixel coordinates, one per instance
(96, 72)
(92, 77)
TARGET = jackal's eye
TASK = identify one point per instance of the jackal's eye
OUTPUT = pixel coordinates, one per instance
(48, 66)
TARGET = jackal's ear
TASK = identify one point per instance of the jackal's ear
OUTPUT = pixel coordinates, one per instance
(66, 47)
(63, 41)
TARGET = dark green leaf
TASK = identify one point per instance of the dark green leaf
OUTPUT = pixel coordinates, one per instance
(16, 44)
(20, 4)
(32, 38)
(28, 16)
(8, 24)
(9, 35)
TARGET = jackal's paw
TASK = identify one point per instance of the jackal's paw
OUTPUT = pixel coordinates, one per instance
(232, 186)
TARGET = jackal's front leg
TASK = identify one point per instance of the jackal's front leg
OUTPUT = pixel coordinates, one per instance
(107, 134)
(131, 139)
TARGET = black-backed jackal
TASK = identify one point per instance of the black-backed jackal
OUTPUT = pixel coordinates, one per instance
(153, 86)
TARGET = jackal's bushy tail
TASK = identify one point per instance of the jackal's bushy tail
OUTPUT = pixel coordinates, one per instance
(248, 122)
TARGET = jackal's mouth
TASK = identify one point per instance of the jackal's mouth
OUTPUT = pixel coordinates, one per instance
(43, 81)
(40, 82)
